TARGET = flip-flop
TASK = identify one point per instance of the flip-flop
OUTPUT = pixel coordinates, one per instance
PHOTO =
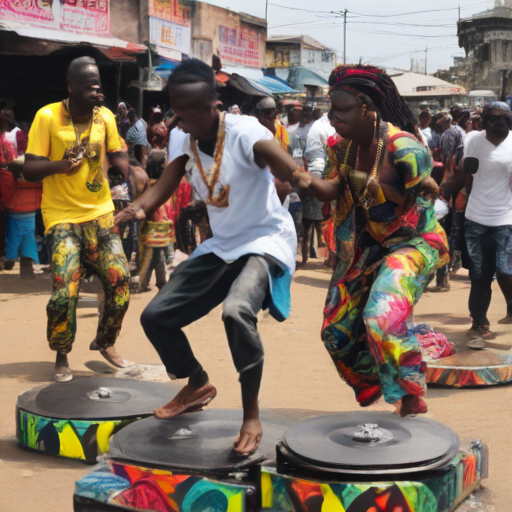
(476, 344)
(194, 406)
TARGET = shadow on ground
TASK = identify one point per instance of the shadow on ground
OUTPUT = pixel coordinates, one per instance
(12, 452)
(312, 281)
(443, 318)
(11, 284)
(33, 371)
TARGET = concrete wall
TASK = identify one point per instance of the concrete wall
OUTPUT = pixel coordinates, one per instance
(125, 20)
(320, 61)
(231, 35)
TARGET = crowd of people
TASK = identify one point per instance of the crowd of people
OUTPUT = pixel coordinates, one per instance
(394, 199)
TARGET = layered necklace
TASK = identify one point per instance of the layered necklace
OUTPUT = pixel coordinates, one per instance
(222, 197)
(79, 150)
(365, 185)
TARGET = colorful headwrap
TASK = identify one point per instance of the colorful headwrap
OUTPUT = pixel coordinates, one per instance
(376, 84)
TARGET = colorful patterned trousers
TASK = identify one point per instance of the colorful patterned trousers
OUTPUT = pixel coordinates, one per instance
(368, 332)
(76, 249)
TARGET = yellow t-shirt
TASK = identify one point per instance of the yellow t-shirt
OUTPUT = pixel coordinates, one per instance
(84, 196)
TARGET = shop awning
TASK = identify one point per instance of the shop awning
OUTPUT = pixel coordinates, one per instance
(301, 76)
(276, 85)
(112, 47)
(263, 86)
(248, 86)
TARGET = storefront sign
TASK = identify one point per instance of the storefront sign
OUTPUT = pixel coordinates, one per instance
(85, 17)
(240, 46)
(77, 16)
(170, 10)
(170, 35)
(36, 11)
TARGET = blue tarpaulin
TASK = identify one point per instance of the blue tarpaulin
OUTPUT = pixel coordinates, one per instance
(276, 85)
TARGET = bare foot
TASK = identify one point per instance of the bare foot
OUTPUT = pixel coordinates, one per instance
(410, 404)
(506, 320)
(111, 355)
(187, 400)
(249, 438)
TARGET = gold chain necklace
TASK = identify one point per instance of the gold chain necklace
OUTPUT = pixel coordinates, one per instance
(366, 198)
(221, 200)
(79, 151)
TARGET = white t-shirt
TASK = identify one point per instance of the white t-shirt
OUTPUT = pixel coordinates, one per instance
(490, 201)
(176, 138)
(316, 141)
(255, 222)
(11, 137)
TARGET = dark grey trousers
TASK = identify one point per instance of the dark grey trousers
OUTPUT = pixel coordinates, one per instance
(197, 286)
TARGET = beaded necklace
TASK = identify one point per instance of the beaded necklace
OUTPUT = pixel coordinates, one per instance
(221, 201)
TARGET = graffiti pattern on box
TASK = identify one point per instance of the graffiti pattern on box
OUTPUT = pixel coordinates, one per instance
(141, 488)
(459, 377)
(74, 439)
(436, 493)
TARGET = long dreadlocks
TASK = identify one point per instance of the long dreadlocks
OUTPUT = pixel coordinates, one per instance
(375, 83)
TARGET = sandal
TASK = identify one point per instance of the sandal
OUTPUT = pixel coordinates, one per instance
(476, 344)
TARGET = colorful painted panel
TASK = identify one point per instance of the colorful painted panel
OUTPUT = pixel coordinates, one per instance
(459, 377)
(138, 488)
(75, 439)
(437, 493)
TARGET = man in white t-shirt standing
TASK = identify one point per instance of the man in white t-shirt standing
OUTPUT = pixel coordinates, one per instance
(488, 225)
(230, 161)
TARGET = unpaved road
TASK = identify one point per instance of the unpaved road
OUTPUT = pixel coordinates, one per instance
(298, 374)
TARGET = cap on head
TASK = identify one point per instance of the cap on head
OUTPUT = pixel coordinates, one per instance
(267, 103)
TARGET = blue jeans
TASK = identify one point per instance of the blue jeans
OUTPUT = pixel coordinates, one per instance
(490, 251)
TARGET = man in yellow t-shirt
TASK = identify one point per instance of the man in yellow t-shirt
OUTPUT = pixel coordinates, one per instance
(67, 145)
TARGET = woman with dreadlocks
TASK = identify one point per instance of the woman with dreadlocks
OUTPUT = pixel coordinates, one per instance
(388, 241)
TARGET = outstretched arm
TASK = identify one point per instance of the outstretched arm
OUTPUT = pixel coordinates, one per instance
(158, 194)
(281, 164)
(325, 190)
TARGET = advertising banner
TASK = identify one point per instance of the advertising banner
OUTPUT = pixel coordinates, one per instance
(170, 10)
(170, 35)
(240, 46)
(85, 17)
(77, 16)
(39, 12)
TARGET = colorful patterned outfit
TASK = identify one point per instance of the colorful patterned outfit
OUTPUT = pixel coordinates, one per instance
(77, 248)
(383, 265)
(77, 214)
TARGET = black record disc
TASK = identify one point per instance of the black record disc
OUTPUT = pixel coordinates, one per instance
(369, 442)
(200, 441)
(81, 399)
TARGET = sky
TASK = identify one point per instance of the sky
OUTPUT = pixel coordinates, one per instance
(385, 33)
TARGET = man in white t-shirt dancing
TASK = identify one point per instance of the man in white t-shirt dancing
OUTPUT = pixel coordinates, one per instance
(488, 225)
(230, 161)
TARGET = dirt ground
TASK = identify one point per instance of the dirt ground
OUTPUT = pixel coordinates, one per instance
(298, 374)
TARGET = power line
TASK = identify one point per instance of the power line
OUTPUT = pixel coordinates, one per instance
(376, 15)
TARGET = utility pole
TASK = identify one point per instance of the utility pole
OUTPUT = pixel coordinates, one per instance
(266, 9)
(426, 49)
(345, 36)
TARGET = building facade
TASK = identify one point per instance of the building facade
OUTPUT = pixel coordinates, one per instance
(238, 39)
(284, 52)
(487, 41)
